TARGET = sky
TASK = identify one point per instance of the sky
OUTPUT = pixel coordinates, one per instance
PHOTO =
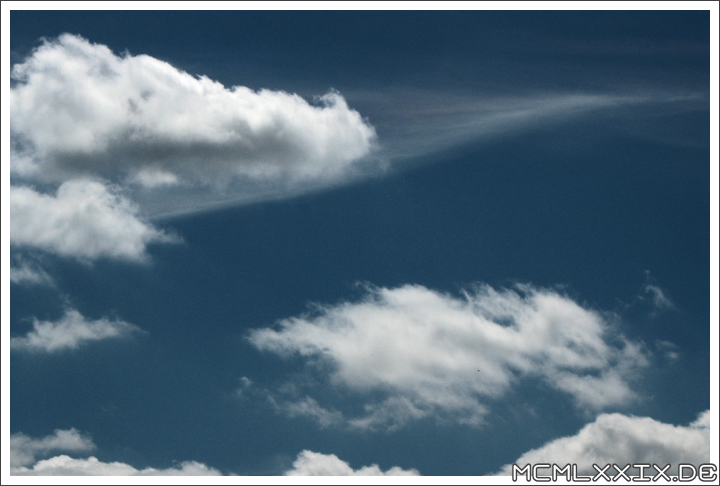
(392, 243)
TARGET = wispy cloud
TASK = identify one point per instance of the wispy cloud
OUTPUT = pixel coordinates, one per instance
(620, 439)
(433, 354)
(414, 122)
(85, 219)
(29, 274)
(659, 300)
(310, 463)
(183, 143)
(70, 332)
(78, 109)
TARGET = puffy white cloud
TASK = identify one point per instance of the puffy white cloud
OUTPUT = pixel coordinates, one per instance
(429, 353)
(84, 220)
(310, 463)
(620, 439)
(79, 109)
(24, 449)
(67, 466)
(69, 332)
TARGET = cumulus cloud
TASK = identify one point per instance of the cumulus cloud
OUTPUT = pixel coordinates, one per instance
(25, 452)
(85, 219)
(79, 109)
(71, 331)
(24, 449)
(620, 439)
(67, 466)
(310, 463)
(428, 353)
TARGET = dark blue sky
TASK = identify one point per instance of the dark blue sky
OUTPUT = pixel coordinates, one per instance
(490, 176)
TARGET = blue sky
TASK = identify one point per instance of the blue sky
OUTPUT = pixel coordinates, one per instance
(436, 243)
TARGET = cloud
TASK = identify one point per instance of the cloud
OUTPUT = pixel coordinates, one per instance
(310, 463)
(24, 453)
(620, 439)
(67, 466)
(69, 332)
(667, 349)
(85, 220)
(29, 274)
(77, 109)
(307, 407)
(24, 449)
(417, 122)
(659, 299)
(433, 354)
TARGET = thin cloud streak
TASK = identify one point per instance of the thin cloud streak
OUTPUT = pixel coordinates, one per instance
(416, 123)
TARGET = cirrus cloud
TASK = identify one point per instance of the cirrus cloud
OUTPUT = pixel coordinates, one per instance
(433, 354)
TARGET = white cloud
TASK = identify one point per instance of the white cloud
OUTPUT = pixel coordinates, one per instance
(620, 439)
(310, 463)
(307, 407)
(85, 220)
(79, 109)
(429, 353)
(24, 449)
(67, 466)
(69, 332)
(29, 274)
(658, 297)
